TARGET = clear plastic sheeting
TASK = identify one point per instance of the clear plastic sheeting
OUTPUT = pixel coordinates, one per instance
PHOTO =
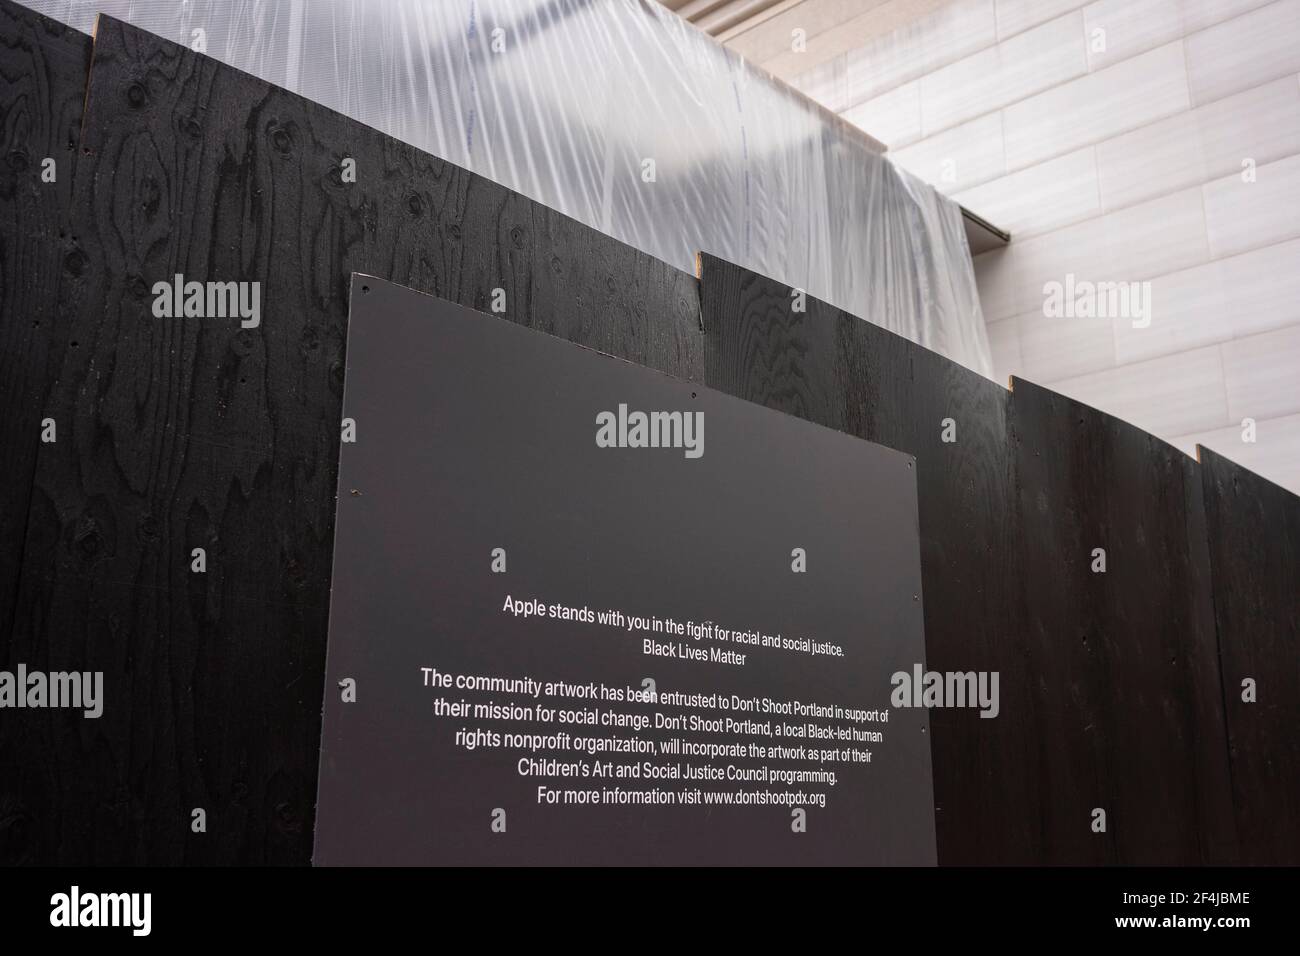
(623, 116)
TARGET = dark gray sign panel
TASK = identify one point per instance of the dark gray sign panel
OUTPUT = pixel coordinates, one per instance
(586, 613)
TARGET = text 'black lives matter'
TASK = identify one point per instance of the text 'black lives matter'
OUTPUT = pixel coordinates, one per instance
(547, 647)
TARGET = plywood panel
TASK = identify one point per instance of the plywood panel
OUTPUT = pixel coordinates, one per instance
(184, 433)
(1127, 693)
(832, 368)
(1273, 453)
(43, 69)
(1254, 544)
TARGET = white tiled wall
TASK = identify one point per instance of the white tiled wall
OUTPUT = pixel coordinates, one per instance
(1117, 140)
(1097, 106)
(1041, 198)
(958, 157)
(1016, 16)
(1005, 73)
(1197, 145)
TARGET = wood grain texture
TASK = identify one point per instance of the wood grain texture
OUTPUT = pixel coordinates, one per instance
(43, 68)
(184, 433)
(832, 368)
(1129, 702)
(1254, 545)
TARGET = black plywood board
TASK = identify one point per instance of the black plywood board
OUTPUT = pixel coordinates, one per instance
(43, 68)
(1130, 710)
(183, 433)
(177, 434)
(829, 367)
(1254, 543)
